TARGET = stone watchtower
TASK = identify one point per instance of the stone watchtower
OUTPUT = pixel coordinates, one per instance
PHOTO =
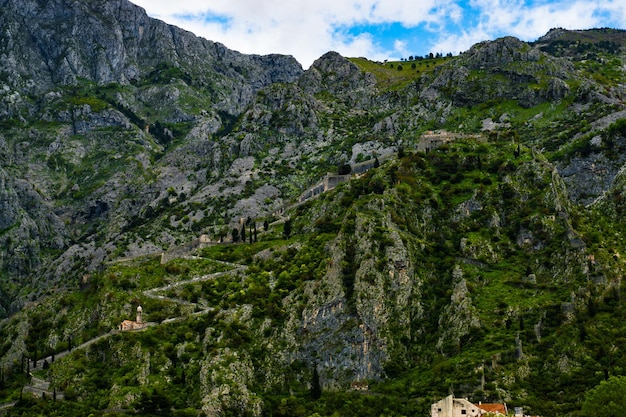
(139, 315)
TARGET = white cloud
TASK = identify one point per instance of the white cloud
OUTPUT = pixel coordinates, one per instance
(303, 28)
(531, 19)
(528, 20)
(400, 47)
(459, 42)
(308, 29)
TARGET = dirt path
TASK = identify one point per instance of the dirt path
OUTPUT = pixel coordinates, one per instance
(35, 388)
(152, 293)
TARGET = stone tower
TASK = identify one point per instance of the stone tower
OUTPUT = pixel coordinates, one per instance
(139, 315)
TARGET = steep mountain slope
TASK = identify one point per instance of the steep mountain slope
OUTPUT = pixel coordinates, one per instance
(464, 267)
(54, 43)
(482, 257)
(84, 83)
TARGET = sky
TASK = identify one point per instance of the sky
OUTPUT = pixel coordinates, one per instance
(377, 29)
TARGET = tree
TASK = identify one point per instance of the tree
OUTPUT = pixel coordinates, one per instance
(287, 229)
(316, 388)
(344, 169)
(235, 235)
(608, 399)
(153, 402)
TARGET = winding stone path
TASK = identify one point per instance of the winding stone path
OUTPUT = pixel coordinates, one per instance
(40, 387)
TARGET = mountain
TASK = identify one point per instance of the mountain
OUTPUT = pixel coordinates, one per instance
(56, 43)
(476, 248)
(87, 73)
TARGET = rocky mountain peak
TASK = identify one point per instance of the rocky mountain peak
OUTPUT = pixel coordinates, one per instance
(58, 42)
(336, 75)
(500, 53)
(552, 34)
(505, 67)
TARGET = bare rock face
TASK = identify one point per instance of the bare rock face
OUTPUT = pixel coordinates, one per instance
(61, 41)
(62, 46)
(336, 75)
(29, 226)
(501, 53)
(593, 171)
(510, 69)
(458, 319)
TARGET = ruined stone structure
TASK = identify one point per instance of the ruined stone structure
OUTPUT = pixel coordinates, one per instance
(360, 386)
(40, 388)
(329, 182)
(363, 167)
(432, 140)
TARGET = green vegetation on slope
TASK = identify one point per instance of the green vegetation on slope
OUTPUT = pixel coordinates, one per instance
(506, 305)
(395, 75)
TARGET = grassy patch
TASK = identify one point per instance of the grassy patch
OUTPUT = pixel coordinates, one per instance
(398, 74)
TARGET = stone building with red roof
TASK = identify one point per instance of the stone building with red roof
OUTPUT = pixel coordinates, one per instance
(495, 408)
(461, 407)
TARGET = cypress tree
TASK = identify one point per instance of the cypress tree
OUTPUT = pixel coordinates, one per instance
(287, 229)
(316, 388)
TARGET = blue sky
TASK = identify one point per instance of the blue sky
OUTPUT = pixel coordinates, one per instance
(377, 29)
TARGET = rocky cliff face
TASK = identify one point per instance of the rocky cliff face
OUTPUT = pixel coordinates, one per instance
(332, 73)
(513, 70)
(54, 43)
